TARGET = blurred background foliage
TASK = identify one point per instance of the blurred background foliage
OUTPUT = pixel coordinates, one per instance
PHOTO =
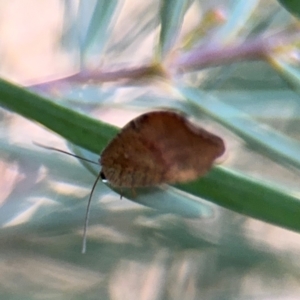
(232, 66)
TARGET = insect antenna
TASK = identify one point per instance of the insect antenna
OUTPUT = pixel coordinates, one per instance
(65, 152)
(87, 214)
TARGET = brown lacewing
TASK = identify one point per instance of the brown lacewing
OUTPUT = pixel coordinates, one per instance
(155, 148)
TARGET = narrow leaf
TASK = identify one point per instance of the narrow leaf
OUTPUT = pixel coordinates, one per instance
(171, 17)
(292, 6)
(224, 187)
(77, 128)
(245, 195)
(99, 26)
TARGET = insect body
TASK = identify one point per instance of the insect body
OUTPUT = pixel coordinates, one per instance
(155, 148)
(159, 147)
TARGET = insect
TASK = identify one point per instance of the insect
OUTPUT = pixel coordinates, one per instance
(159, 147)
(155, 148)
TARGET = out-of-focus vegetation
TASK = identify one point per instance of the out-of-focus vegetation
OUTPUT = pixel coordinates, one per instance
(232, 66)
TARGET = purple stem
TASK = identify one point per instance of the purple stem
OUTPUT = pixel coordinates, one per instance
(217, 54)
(98, 77)
(211, 54)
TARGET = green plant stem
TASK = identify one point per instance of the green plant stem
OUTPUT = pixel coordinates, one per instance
(229, 189)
